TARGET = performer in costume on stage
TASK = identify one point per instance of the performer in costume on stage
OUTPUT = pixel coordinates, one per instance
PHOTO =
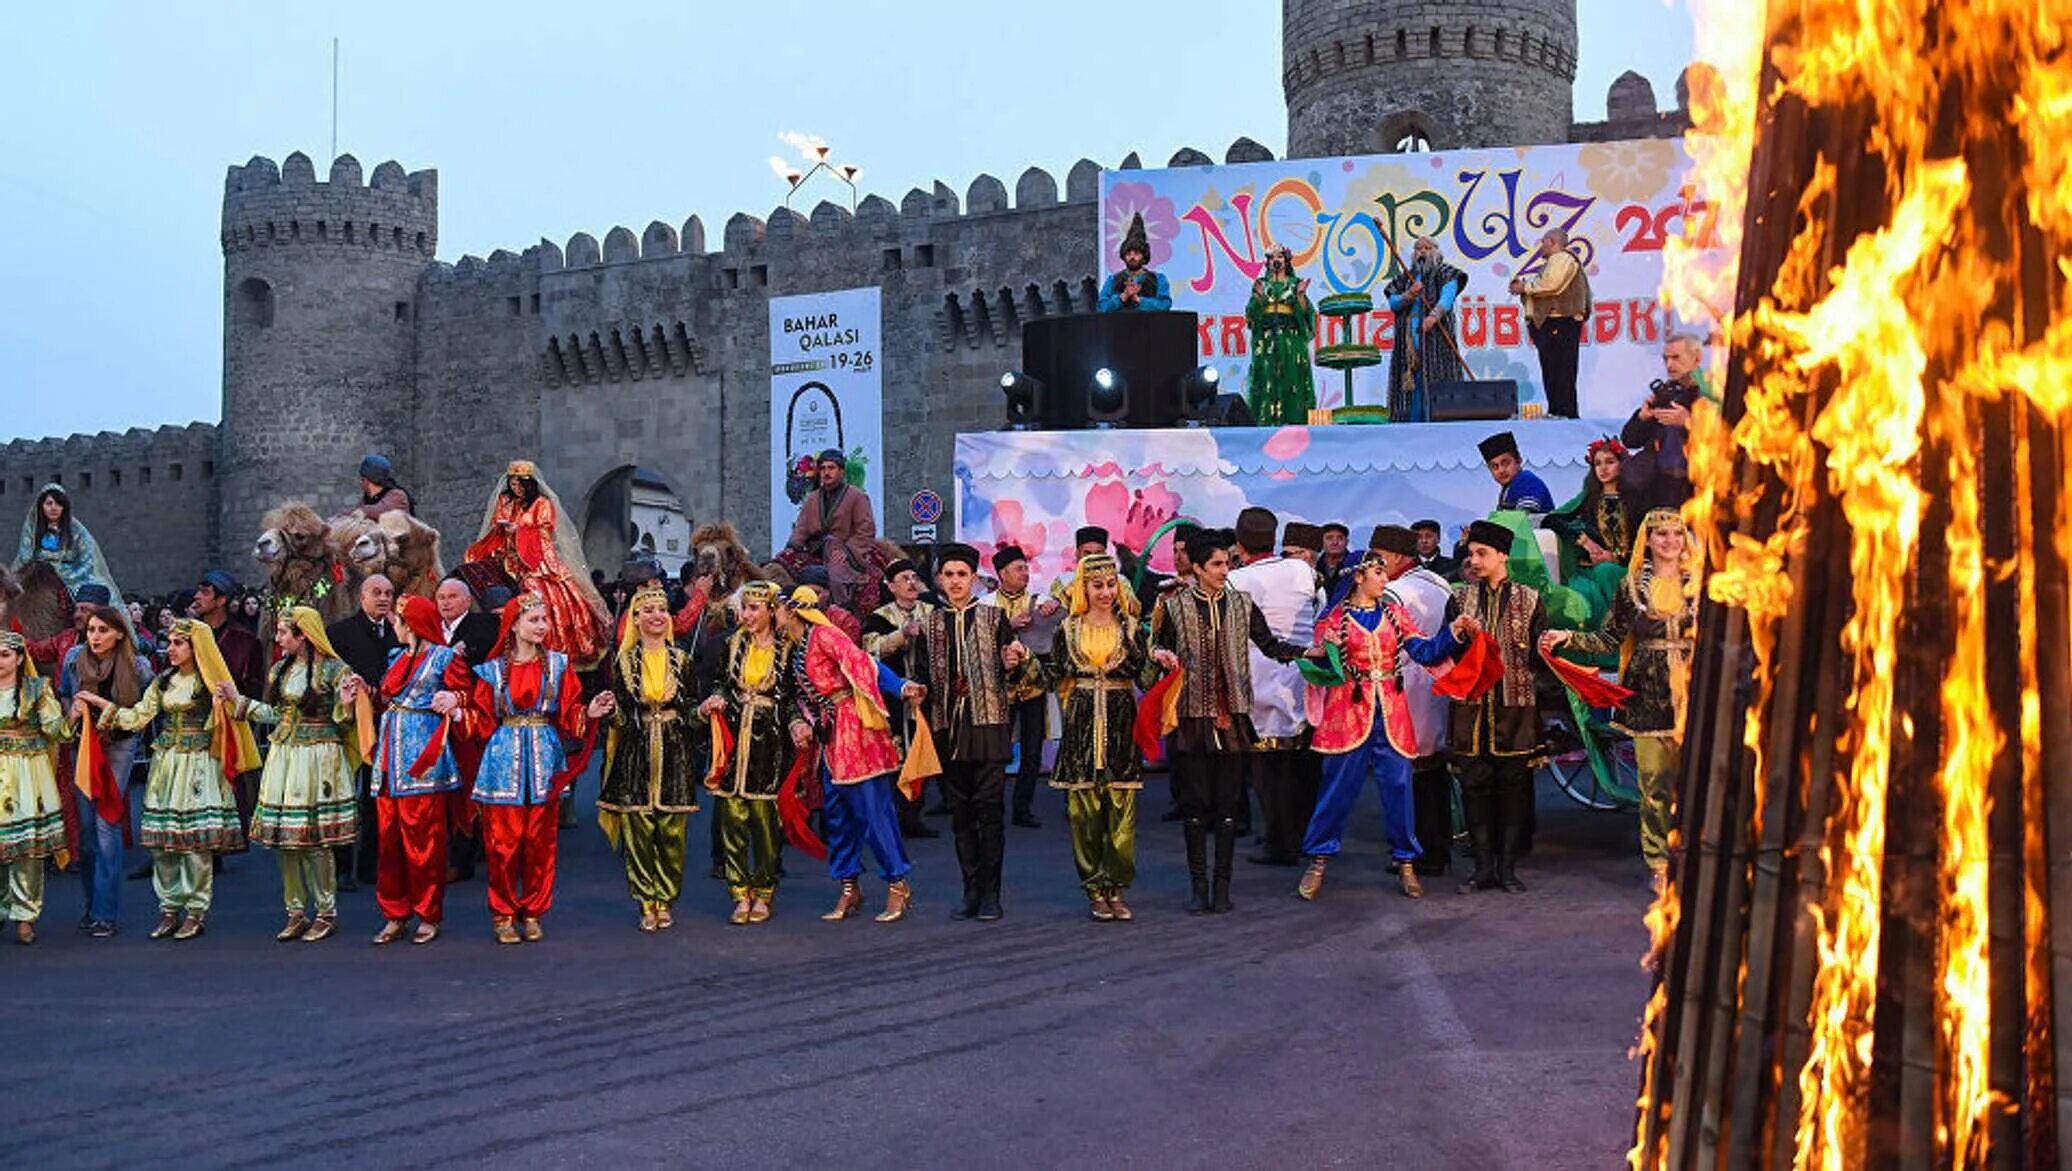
(53, 535)
(1364, 727)
(1028, 702)
(525, 700)
(527, 532)
(1557, 304)
(306, 793)
(651, 771)
(1596, 535)
(841, 710)
(963, 658)
(888, 634)
(1206, 629)
(32, 822)
(190, 806)
(1135, 287)
(417, 771)
(1100, 655)
(1426, 352)
(753, 696)
(1487, 647)
(1283, 322)
(1652, 627)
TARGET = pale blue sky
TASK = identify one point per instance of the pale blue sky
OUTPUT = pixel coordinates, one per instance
(545, 119)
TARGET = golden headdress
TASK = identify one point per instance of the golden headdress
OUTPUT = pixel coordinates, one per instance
(649, 596)
(1100, 565)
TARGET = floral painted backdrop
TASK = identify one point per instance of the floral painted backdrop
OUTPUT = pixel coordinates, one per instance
(1035, 488)
(1349, 220)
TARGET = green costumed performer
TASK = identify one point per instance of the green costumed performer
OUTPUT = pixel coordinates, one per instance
(1283, 322)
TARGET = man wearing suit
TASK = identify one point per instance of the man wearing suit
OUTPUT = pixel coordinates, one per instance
(472, 635)
(364, 641)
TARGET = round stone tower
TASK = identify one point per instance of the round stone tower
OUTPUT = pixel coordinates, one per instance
(319, 331)
(1369, 76)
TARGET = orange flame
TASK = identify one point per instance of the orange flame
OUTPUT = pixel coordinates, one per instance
(1919, 300)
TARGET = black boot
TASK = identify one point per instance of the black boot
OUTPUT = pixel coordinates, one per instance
(1226, 848)
(1482, 835)
(1197, 865)
(968, 909)
(1512, 835)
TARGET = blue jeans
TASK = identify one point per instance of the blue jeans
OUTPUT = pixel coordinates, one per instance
(860, 813)
(1344, 773)
(100, 842)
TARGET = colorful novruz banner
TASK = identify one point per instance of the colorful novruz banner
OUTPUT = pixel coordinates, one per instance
(1350, 223)
(1034, 488)
(825, 392)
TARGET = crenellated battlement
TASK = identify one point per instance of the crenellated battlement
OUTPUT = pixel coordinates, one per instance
(876, 218)
(270, 206)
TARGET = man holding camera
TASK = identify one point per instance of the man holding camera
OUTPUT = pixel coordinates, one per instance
(1657, 474)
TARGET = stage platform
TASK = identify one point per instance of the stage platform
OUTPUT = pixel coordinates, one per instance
(1034, 488)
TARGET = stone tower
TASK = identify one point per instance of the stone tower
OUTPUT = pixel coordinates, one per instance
(320, 288)
(1361, 76)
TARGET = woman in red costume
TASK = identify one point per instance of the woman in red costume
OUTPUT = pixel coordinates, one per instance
(526, 533)
(526, 700)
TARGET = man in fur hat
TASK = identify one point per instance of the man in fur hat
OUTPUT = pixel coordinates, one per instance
(1284, 591)
(1484, 658)
(1136, 287)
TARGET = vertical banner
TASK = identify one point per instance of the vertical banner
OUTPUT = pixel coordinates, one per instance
(1350, 223)
(825, 392)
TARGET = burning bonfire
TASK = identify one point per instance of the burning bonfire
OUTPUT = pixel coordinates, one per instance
(1856, 955)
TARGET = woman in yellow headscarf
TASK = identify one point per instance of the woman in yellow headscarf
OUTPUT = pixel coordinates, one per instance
(1653, 628)
(651, 775)
(306, 795)
(32, 816)
(190, 809)
(753, 698)
(1100, 656)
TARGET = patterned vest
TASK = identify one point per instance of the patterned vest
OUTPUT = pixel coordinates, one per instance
(1199, 656)
(980, 675)
(1512, 630)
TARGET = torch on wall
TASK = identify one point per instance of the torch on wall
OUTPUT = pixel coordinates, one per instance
(1858, 954)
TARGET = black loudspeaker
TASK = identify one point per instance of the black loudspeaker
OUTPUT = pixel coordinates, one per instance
(1496, 398)
(1152, 352)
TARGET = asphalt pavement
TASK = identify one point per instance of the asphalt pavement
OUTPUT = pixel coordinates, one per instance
(1364, 1030)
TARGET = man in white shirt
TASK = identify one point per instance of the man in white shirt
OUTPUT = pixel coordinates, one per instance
(1423, 594)
(1283, 773)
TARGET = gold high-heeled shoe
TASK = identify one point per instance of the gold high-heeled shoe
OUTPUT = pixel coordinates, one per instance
(848, 903)
(898, 897)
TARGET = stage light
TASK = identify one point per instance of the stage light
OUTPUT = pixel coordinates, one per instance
(1107, 398)
(1024, 393)
(1198, 394)
(1231, 410)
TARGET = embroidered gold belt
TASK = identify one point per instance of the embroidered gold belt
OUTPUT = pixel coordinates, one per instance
(16, 744)
(528, 721)
(1663, 644)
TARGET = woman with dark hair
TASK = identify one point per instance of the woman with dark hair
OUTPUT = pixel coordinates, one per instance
(53, 535)
(1596, 534)
(526, 532)
(107, 665)
(307, 801)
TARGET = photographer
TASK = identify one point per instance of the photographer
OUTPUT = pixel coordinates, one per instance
(1657, 474)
